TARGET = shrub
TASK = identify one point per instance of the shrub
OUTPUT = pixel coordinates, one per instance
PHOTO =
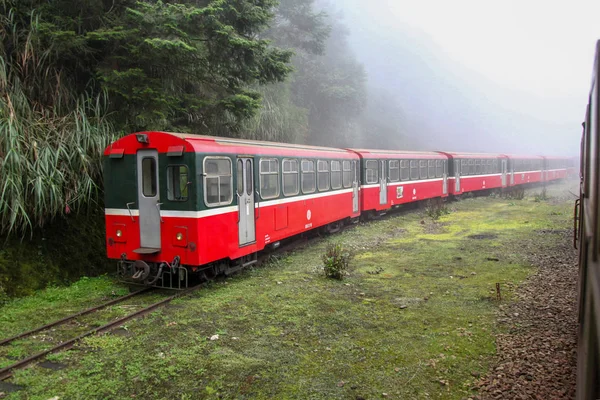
(543, 195)
(435, 208)
(335, 261)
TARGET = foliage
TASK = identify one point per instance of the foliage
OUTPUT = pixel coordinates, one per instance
(435, 208)
(335, 261)
(542, 196)
(49, 162)
(515, 193)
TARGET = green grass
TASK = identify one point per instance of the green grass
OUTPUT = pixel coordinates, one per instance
(414, 319)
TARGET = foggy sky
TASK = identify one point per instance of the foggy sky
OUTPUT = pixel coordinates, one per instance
(481, 75)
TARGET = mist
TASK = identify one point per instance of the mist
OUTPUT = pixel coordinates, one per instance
(466, 76)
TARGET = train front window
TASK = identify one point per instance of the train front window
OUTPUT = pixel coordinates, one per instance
(218, 181)
(177, 182)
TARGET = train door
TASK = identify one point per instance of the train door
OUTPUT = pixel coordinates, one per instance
(245, 195)
(445, 175)
(355, 186)
(504, 170)
(382, 183)
(457, 176)
(148, 201)
(512, 173)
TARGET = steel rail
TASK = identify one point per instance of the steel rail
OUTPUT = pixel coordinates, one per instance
(70, 317)
(6, 372)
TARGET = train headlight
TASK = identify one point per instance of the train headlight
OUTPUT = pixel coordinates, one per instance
(119, 233)
(179, 236)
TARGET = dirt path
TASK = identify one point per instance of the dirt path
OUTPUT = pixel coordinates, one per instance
(537, 358)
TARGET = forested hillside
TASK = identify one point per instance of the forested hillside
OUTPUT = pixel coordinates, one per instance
(75, 75)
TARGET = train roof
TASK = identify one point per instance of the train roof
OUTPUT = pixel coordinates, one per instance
(473, 155)
(376, 153)
(526, 156)
(165, 142)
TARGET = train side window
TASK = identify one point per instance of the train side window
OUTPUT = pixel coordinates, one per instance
(404, 170)
(218, 181)
(394, 170)
(464, 167)
(177, 182)
(149, 177)
(336, 175)
(291, 186)
(322, 175)
(471, 167)
(269, 178)
(431, 169)
(414, 170)
(423, 169)
(347, 173)
(439, 168)
(309, 180)
(372, 172)
(477, 167)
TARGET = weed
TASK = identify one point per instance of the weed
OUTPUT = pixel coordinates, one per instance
(543, 195)
(335, 261)
(435, 208)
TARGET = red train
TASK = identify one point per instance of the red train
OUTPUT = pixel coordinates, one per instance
(182, 204)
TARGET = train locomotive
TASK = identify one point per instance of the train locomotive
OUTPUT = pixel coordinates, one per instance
(181, 205)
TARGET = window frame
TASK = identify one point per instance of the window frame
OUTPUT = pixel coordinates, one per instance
(397, 168)
(338, 172)
(170, 182)
(376, 169)
(261, 174)
(303, 173)
(347, 173)
(324, 173)
(206, 176)
(284, 173)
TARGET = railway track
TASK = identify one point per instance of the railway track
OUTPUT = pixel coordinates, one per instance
(7, 371)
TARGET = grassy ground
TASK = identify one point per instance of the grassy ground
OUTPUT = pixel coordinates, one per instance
(415, 318)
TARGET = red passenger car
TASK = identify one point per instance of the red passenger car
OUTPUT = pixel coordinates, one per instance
(391, 178)
(470, 172)
(177, 203)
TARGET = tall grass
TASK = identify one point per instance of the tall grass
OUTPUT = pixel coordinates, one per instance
(51, 139)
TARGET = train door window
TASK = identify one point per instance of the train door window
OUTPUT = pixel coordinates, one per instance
(423, 169)
(149, 177)
(291, 186)
(218, 181)
(414, 170)
(347, 173)
(431, 169)
(177, 182)
(439, 168)
(336, 175)
(356, 172)
(394, 170)
(404, 170)
(372, 172)
(269, 178)
(322, 175)
(240, 177)
(308, 178)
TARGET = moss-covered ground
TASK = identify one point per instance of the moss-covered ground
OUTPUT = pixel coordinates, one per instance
(415, 318)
